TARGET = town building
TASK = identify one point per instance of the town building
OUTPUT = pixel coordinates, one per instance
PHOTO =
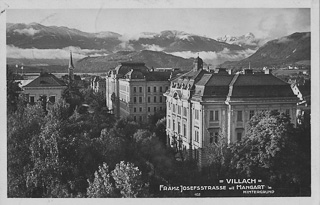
(132, 89)
(202, 106)
(98, 84)
(46, 85)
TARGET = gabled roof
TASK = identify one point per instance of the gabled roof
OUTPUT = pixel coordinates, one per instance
(46, 80)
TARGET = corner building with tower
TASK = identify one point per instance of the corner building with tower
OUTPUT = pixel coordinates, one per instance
(203, 106)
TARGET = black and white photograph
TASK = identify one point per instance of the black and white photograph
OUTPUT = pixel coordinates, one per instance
(180, 100)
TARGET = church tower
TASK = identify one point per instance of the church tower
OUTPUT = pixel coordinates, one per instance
(197, 64)
(70, 69)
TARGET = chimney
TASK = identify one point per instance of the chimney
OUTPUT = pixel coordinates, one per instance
(267, 71)
(248, 71)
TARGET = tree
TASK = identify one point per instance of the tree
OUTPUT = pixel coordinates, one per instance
(160, 130)
(22, 126)
(13, 90)
(101, 187)
(217, 159)
(128, 180)
(268, 151)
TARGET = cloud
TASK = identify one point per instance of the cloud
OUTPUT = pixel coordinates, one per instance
(27, 31)
(126, 45)
(127, 37)
(216, 58)
(152, 47)
(35, 53)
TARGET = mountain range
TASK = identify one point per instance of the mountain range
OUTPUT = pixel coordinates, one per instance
(295, 48)
(38, 45)
(35, 35)
(245, 41)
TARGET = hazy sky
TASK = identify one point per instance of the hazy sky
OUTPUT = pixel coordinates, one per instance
(211, 22)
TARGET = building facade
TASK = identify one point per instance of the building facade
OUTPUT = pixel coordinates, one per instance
(203, 106)
(46, 85)
(136, 91)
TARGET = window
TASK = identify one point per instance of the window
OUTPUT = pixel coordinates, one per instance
(31, 99)
(239, 136)
(216, 115)
(251, 114)
(196, 114)
(160, 108)
(160, 89)
(174, 108)
(169, 106)
(140, 109)
(211, 115)
(148, 109)
(154, 89)
(134, 109)
(140, 118)
(140, 89)
(134, 89)
(196, 135)
(149, 90)
(149, 100)
(239, 116)
(140, 99)
(214, 136)
(135, 118)
(169, 123)
(179, 128)
(52, 99)
(134, 99)
(185, 111)
(184, 130)
(166, 87)
(155, 109)
(155, 99)
(173, 125)
(179, 109)
(160, 98)
(288, 112)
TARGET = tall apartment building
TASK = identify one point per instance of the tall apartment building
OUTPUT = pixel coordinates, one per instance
(136, 91)
(202, 106)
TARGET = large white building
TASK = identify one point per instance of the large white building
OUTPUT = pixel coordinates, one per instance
(134, 90)
(202, 106)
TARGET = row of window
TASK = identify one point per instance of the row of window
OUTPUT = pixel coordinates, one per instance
(251, 114)
(184, 133)
(149, 109)
(140, 118)
(149, 99)
(51, 99)
(178, 109)
(155, 89)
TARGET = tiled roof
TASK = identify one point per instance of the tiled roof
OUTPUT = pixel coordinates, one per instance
(46, 80)
(258, 79)
(244, 86)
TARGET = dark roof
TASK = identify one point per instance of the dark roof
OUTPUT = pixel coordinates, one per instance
(125, 67)
(46, 80)
(135, 74)
(157, 76)
(258, 79)
(243, 86)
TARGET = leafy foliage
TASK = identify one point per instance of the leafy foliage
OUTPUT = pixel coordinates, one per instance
(129, 181)
(101, 186)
